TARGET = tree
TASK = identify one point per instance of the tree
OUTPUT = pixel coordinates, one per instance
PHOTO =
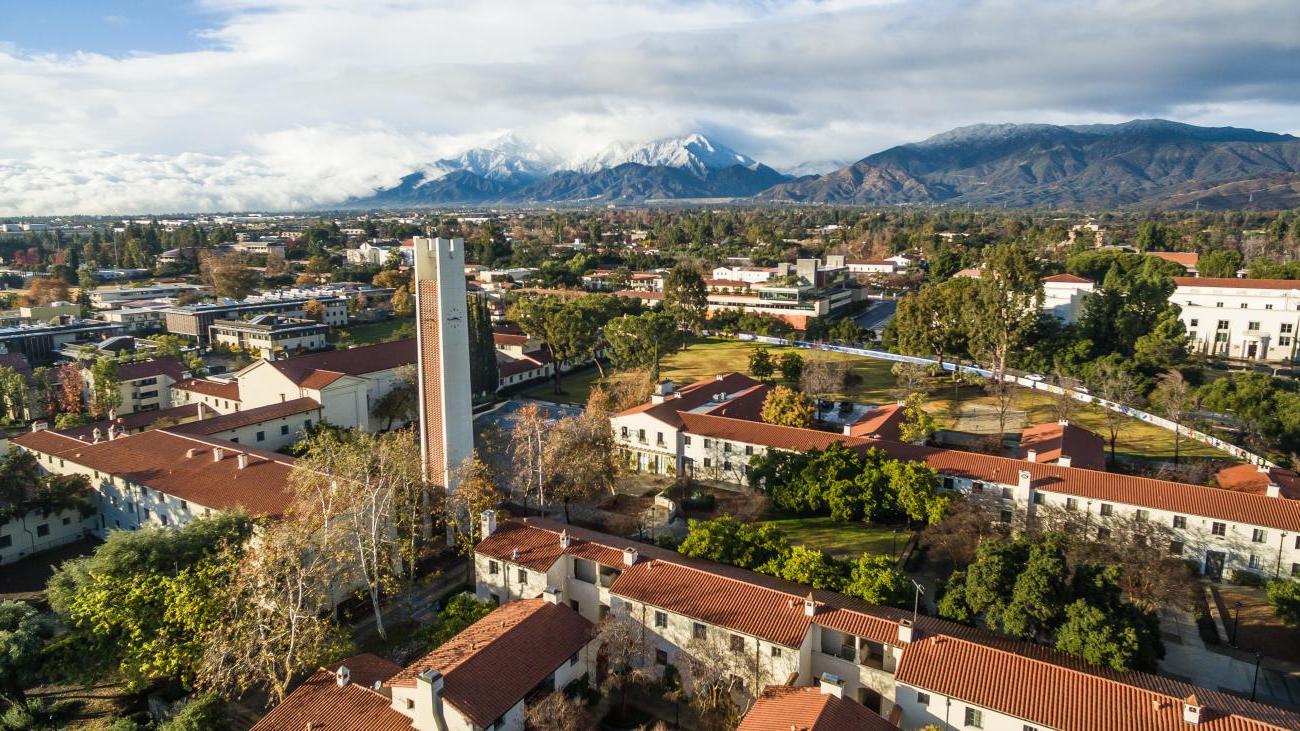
(24, 632)
(822, 378)
(566, 329)
(809, 566)
(1174, 397)
(760, 364)
(403, 302)
(558, 712)
(475, 492)
(69, 376)
(41, 291)
(312, 309)
(1006, 307)
(787, 407)
(1114, 379)
(14, 393)
(202, 712)
(105, 388)
(456, 615)
(1165, 346)
(230, 277)
(1220, 263)
(641, 341)
(623, 644)
(917, 426)
(933, 322)
(875, 579)
(791, 367)
(725, 540)
(528, 455)
(686, 298)
(1284, 597)
(1120, 641)
(581, 453)
(484, 376)
(402, 402)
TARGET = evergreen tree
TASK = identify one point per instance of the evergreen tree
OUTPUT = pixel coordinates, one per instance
(483, 374)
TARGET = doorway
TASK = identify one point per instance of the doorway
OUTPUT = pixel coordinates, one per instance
(1214, 561)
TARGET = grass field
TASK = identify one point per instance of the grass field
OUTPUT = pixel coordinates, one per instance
(374, 332)
(841, 540)
(874, 383)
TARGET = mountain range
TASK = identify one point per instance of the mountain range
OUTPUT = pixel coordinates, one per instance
(1148, 163)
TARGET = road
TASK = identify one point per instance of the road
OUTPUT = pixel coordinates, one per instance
(879, 315)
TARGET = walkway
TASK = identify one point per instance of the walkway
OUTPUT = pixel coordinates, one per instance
(1220, 667)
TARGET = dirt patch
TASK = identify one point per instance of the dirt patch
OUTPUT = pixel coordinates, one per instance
(1257, 629)
(26, 579)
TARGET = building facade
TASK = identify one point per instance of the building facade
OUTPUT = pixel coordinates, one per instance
(1250, 319)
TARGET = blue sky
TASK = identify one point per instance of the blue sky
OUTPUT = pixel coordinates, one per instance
(149, 105)
(111, 27)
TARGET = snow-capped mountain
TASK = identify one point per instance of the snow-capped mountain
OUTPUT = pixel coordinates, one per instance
(506, 159)
(694, 152)
(815, 167)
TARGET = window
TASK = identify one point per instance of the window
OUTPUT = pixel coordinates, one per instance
(749, 449)
(726, 466)
(686, 440)
(947, 483)
(1219, 529)
(493, 568)
(1295, 569)
(1027, 727)
(707, 443)
(67, 521)
(1284, 340)
(1218, 304)
(1107, 509)
(922, 698)
(699, 631)
(1223, 324)
(523, 576)
(1195, 322)
(602, 612)
(1254, 561)
(1221, 337)
(640, 435)
(6, 541)
(661, 620)
(726, 447)
(1103, 533)
(1006, 493)
(1005, 516)
(1180, 521)
(1175, 548)
(708, 462)
(659, 438)
(1039, 499)
(977, 487)
(1287, 326)
(737, 643)
(1143, 514)
(1245, 305)
(1258, 535)
(1268, 307)
(284, 429)
(410, 704)
(573, 659)
(1071, 503)
(261, 436)
(43, 529)
(776, 651)
(1252, 327)
(235, 440)
(623, 432)
(165, 520)
(974, 718)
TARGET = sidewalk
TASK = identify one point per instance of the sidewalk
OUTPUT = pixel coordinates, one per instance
(1220, 667)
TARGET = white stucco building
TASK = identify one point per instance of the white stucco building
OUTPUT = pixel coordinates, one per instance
(1251, 319)
(1064, 295)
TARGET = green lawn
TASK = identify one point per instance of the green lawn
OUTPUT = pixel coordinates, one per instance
(371, 332)
(841, 540)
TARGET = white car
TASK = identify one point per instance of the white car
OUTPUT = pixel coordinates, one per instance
(1082, 389)
(1034, 377)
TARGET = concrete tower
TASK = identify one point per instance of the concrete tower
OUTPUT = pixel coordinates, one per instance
(442, 340)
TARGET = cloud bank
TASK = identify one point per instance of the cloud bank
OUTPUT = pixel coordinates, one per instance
(300, 103)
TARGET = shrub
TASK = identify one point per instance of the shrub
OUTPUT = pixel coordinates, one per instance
(1247, 578)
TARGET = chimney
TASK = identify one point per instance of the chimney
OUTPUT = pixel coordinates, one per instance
(1063, 460)
(203, 411)
(1063, 422)
(514, 554)
(1191, 709)
(551, 595)
(832, 685)
(1024, 479)
(848, 430)
(189, 453)
(662, 392)
(95, 436)
(243, 460)
(40, 425)
(905, 631)
(489, 518)
(433, 679)
(342, 676)
(112, 432)
(565, 539)
(629, 556)
(809, 605)
(718, 376)
(217, 454)
(1273, 490)
(1032, 455)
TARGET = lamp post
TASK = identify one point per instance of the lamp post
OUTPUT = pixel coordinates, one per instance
(1236, 619)
(1259, 658)
(916, 600)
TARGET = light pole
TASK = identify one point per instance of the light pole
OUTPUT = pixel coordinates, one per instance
(916, 599)
(1259, 658)
(1236, 620)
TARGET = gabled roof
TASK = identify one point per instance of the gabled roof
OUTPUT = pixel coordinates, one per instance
(692, 396)
(495, 662)
(1235, 283)
(770, 435)
(1188, 259)
(319, 703)
(882, 422)
(1066, 279)
(356, 361)
(786, 708)
(132, 422)
(1052, 440)
(1248, 478)
(218, 389)
(246, 417)
(167, 365)
(160, 460)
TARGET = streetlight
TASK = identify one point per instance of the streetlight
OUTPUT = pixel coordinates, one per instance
(916, 600)
(1259, 658)
(1236, 619)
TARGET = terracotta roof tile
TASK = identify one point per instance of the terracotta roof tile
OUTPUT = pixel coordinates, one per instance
(246, 417)
(133, 421)
(167, 365)
(1066, 279)
(1188, 259)
(495, 662)
(784, 708)
(207, 387)
(1052, 439)
(692, 396)
(883, 422)
(356, 361)
(1235, 283)
(353, 707)
(757, 432)
(1248, 478)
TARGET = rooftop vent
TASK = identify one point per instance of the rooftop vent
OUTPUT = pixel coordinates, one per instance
(243, 460)
(218, 454)
(342, 676)
(189, 453)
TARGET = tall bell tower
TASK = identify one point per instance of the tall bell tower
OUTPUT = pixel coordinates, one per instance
(442, 341)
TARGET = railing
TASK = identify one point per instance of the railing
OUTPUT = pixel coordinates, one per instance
(1160, 421)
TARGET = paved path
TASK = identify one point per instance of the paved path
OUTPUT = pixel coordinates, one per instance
(878, 315)
(1187, 658)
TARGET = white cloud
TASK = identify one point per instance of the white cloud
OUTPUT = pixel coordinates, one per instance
(304, 102)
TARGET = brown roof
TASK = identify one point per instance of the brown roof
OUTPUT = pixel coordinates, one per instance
(317, 380)
(693, 396)
(247, 417)
(158, 459)
(352, 361)
(747, 404)
(771, 435)
(218, 389)
(1052, 439)
(1053, 695)
(133, 421)
(1235, 283)
(883, 422)
(167, 365)
(784, 708)
(1188, 259)
(509, 339)
(353, 707)
(495, 662)
(1066, 279)
(1249, 478)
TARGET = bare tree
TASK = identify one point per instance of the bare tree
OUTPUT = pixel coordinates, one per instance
(723, 682)
(1174, 397)
(528, 455)
(1064, 406)
(822, 378)
(909, 379)
(1112, 380)
(557, 712)
(625, 651)
(475, 492)
(580, 458)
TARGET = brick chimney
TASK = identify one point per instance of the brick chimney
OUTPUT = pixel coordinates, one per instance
(831, 685)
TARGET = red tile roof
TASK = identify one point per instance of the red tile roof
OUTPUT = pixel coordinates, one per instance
(1188, 259)
(1052, 695)
(495, 662)
(158, 459)
(784, 708)
(882, 422)
(353, 707)
(1066, 279)
(356, 361)
(1235, 283)
(771, 435)
(246, 417)
(167, 365)
(692, 396)
(747, 404)
(1248, 478)
(218, 389)
(509, 339)
(1052, 439)
(133, 421)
